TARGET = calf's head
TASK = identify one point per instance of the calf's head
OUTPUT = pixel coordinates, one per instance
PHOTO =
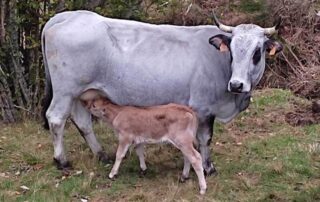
(96, 107)
(247, 45)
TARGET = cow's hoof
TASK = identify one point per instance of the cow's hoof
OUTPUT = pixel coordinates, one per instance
(183, 179)
(142, 173)
(202, 191)
(210, 170)
(62, 165)
(103, 157)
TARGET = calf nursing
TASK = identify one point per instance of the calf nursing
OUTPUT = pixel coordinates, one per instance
(172, 123)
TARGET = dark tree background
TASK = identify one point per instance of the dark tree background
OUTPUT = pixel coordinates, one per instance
(21, 68)
(21, 21)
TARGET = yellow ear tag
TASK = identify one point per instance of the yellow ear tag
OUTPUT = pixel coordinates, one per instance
(273, 51)
(223, 47)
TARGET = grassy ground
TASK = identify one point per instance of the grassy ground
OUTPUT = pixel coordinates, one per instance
(259, 157)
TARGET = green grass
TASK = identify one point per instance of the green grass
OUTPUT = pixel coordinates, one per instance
(259, 157)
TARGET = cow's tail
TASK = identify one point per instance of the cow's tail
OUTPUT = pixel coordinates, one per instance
(48, 85)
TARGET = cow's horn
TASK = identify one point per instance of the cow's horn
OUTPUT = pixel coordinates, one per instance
(274, 29)
(220, 25)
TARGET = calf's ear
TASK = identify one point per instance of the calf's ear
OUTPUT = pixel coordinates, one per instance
(221, 42)
(272, 47)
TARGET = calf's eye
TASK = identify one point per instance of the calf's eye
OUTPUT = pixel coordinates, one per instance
(257, 56)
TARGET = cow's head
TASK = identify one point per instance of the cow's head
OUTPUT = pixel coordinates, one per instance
(247, 44)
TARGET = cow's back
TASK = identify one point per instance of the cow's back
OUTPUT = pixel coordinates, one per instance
(134, 63)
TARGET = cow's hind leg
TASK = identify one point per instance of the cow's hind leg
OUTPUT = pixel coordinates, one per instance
(57, 114)
(82, 120)
(204, 135)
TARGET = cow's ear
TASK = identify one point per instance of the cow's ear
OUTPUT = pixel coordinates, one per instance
(272, 47)
(221, 42)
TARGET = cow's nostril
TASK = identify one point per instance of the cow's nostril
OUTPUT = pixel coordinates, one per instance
(236, 86)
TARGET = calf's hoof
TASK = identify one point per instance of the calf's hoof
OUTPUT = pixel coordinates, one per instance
(103, 157)
(209, 169)
(142, 173)
(112, 177)
(62, 165)
(183, 179)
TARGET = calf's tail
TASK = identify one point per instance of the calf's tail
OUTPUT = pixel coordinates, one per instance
(194, 126)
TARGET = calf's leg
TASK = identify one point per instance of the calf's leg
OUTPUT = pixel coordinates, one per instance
(195, 159)
(121, 153)
(186, 169)
(140, 154)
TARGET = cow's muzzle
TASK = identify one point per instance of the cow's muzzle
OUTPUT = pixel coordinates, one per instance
(235, 86)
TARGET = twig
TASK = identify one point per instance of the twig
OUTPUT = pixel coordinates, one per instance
(24, 109)
(289, 63)
(274, 72)
(1, 70)
(188, 9)
(297, 59)
(186, 13)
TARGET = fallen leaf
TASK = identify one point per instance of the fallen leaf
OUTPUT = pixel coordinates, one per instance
(79, 172)
(12, 193)
(4, 175)
(38, 166)
(24, 187)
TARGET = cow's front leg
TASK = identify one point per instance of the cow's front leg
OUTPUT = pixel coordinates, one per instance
(82, 120)
(204, 135)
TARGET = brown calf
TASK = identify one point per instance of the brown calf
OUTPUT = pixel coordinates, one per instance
(172, 123)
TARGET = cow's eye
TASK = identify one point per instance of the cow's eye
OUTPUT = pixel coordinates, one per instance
(256, 56)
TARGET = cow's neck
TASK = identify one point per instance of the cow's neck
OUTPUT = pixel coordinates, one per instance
(242, 101)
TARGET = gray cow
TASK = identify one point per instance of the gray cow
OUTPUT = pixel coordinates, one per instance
(142, 64)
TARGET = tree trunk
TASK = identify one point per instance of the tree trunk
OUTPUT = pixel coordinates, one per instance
(21, 87)
(7, 109)
(2, 16)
